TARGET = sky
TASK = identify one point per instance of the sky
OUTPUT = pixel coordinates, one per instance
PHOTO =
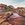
(15, 3)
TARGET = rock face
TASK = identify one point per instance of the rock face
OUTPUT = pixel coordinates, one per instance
(14, 19)
(5, 23)
(3, 17)
(15, 15)
(17, 20)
